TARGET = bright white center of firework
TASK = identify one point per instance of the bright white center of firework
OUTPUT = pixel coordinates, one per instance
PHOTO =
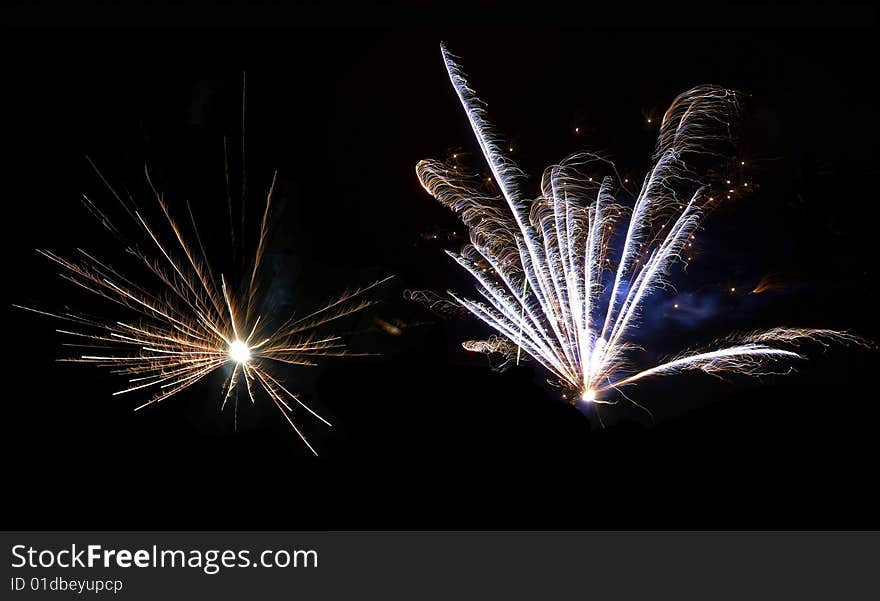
(239, 352)
(588, 396)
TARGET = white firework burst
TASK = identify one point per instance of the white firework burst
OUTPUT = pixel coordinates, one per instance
(550, 281)
(184, 323)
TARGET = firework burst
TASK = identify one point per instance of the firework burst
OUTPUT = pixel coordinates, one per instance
(185, 323)
(553, 285)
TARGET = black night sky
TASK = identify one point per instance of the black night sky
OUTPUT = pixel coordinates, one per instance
(425, 435)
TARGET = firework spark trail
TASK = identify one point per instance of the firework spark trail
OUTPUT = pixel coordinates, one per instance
(544, 267)
(185, 325)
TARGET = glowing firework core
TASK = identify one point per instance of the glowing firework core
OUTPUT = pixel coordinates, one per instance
(589, 396)
(239, 352)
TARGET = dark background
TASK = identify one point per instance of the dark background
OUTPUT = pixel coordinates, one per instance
(426, 436)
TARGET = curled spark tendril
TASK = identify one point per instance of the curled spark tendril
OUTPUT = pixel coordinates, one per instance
(550, 281)
(185, 324)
